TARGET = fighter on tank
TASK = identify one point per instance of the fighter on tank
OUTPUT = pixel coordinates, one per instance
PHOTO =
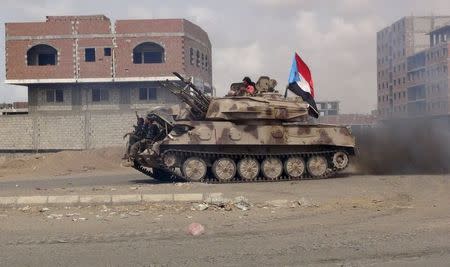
(240, 138)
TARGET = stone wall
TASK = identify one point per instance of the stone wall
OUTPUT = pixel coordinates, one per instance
(68, 131)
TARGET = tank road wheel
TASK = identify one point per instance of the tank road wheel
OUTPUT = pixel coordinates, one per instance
(224, 169)
(194, 169)
(317, 166)
(294, 167)
(272, 168)
(248, 168)
(340, 160)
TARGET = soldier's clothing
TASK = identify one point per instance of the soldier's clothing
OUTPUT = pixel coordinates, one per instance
(136, 136)
(140, 131)
(150, 132)
(250, 90)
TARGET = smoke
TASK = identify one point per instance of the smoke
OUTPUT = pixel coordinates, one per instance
(405, 147)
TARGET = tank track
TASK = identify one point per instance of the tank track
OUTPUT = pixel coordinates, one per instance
(171, 175)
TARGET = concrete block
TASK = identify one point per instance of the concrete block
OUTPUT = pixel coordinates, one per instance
(69, 199)
(157, 197)
(32, 200)
(188, 197)
(8, 200)
(126, 198)
(95, 199)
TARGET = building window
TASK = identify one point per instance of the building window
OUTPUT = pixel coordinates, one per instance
(191, 56)
(198, 58)
(89, 54)
(41, 55)
(203, 61)
(107, 51)
(148, 53)
(206, 62)
(147, 94)
(55, 96)
(100, 95)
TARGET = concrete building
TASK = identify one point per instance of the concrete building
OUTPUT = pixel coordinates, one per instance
(327, 108)
(428, 77)
(395, 45)
(86, 76)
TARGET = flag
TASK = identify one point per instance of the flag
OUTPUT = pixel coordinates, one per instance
(301, 83)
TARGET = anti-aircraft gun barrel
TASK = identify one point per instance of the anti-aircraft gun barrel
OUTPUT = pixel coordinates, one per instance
(195, 90)
(190, 95)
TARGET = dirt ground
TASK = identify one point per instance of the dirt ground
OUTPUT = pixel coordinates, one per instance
(354, 219)
(358, 220)
(62, 163)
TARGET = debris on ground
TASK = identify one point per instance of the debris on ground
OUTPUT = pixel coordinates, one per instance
(241, 203)
(303, 202)
(185, 184)
(26, 208)
(104, 208)
(199, 206)
(55, 216)
(44, 209)
(196, 229)
(279, 203)
(134, 213)
(220, 202)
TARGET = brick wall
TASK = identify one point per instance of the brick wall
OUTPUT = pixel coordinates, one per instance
(102, 66)
(124, 57)
(16, 60)
(71, 35)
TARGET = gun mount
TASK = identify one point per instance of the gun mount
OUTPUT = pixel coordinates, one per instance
(189, 94)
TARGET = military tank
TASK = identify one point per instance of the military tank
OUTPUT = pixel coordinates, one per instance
(266, 137)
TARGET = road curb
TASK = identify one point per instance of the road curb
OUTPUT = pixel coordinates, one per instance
(106, 199)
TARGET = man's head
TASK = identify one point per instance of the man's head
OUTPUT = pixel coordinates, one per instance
(140, 121)
(247, 81)
(150, 119)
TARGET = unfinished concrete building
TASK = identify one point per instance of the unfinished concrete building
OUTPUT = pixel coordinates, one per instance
(401, 65)
(428, 77)
(86, 76)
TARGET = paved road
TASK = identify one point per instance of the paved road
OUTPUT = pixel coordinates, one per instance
(76, 180)
(354, 221)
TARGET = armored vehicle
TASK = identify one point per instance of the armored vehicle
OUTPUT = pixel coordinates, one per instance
(264, 137)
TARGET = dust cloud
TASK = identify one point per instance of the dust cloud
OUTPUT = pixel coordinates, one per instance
(405, 147)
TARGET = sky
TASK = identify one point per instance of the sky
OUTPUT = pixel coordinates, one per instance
(336, 38)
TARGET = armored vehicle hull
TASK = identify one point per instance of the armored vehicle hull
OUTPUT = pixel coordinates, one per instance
(244, 139)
